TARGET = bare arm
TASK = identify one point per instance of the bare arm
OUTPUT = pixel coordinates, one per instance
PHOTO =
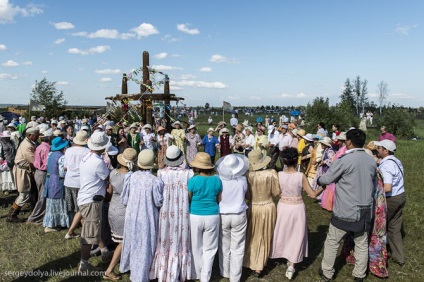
(190, 195)
(307, 188)
(387, 188)
(218, 198)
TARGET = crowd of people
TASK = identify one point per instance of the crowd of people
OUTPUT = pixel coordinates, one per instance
(169, 225)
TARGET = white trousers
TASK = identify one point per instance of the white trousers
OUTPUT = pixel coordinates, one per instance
(204, 244)
(232, 238)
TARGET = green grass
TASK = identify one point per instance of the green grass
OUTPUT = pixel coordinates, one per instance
(27, 248)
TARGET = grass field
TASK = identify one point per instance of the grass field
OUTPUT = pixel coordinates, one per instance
(26, 248)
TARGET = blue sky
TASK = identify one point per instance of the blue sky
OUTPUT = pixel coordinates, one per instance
(244, 52)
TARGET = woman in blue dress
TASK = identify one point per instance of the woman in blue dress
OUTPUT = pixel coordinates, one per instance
(210, 142)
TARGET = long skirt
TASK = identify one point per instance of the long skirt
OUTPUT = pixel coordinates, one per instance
(6, 181)
(56, 213)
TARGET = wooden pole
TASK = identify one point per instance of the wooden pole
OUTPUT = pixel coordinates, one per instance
(124, 87)
(146, 77)
(167, 102)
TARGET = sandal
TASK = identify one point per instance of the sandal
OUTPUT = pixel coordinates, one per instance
(112, 277)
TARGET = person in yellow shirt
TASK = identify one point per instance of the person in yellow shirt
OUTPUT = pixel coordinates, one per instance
(300, 146)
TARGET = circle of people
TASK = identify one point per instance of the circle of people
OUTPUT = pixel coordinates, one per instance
(169, 226)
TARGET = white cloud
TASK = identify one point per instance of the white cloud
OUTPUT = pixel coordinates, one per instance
(63, 25)
(184, 28)
(63, 83)
(216, 58)
(10, 63)
(9, 11)
(165, 68)
(285, 95)
(397, 96)
(108, 71)
(59, 41)
(199, 84)
(105, 79)
(144, 30)
(161, 55)
(299, 95)
(255, 98)
(205, 69)
(233, 97)
(404, 29)
(187, 76)
(176, 55)
(170, 39)
(44, 72)
(175, 87)
(3, 47)
(95, 50)
(5, 76)
(105, 33)
(27, 63)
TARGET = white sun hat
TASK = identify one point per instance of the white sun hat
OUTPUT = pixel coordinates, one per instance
(98, 141)
(232, 166)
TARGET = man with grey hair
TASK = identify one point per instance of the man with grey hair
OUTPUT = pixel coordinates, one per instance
(23, 173)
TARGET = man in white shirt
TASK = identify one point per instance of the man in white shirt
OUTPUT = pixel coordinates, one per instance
(93, 184)
(249, 141)
(233, 123)
(284, 141)
(392, 170)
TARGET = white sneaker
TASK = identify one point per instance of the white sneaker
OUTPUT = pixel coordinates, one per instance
(95, 252)
(290, 272)
(48, 230)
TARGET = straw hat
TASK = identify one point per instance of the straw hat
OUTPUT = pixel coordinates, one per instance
(239, 127)
(32, 130)
(245, 123)
(301, 132)
(211, 129)
(147, 126)
(133, 125)
(146, 159)
(258, 160)
(57, 132)
(160, 128)
(173, 156)
(191, 127)
(232, 166)
(342, 136)
(47, 132)
(128, 158)
(202, 160)
(175, 123)
(81, 138)
(58, 144)
(249, 128)
(98, 141)
(224, 130)
(326, 141)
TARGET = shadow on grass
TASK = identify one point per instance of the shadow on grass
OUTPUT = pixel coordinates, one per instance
(64, 269)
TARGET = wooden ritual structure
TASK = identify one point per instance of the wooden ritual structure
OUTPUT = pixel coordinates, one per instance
(146, 97)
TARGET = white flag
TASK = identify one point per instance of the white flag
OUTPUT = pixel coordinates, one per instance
(227, 107)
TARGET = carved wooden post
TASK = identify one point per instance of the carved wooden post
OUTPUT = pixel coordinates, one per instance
(149, 118)
(124, 88)
(146, 77)
(167, 102)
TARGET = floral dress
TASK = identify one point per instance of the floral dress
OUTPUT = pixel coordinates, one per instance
(193, 142)
(172, 261)
(162, 144)
(326, 161)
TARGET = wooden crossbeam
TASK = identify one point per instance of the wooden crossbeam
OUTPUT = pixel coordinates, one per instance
(146, 96)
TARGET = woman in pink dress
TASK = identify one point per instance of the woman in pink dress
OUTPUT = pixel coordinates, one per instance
(290, 240)
(327, 199)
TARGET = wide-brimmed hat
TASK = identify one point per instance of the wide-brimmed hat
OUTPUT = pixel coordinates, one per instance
(173, 156)
(191, 127)
(308, 137)
(249, 128)
(160, 128)
(5, 134)
(301, 132)
(388, 144)
(47, 132)
(202, 160)
(146, 159)
(98, 141)
(11, 125)
(109, 127)
(54, 122)
(133, 125)
(147, 126)
(32, 130)
(80, 138)
(58, 144)
(245, 123)
(211, 129)
(128, 158)
(326, 141)
(239, 127)
(111, 150)
(341, 136)
(175, 123)
(316, 136)
(232, 166)
(258, 160)
(224, 130)
(57, 132)
(294, 132)
(371, 146)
